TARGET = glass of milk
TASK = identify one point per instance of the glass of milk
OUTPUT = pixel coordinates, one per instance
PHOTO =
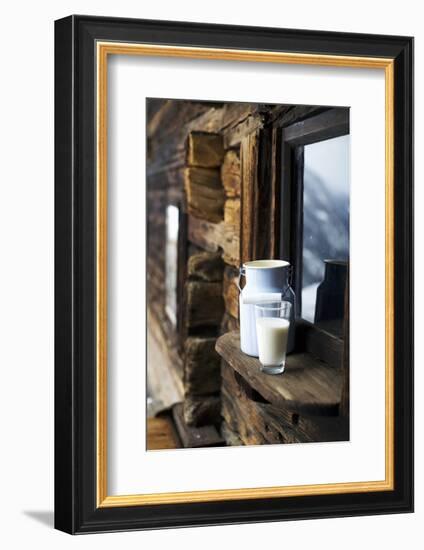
(272, 330)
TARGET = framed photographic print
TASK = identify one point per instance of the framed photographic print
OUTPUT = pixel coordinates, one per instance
(234, 274)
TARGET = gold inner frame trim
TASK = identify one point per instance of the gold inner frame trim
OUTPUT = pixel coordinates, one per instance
(104, 49)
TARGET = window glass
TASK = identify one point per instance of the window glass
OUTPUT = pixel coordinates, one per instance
(171, 262)
(325, 247)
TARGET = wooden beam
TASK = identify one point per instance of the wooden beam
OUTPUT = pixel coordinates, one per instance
(249, 152)
(206, 150)
(231, 173)
(195, 437)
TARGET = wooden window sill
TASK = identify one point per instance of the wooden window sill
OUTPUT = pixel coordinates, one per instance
(308, 385)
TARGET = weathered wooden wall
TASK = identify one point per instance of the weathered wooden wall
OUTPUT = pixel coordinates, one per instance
(218, 163)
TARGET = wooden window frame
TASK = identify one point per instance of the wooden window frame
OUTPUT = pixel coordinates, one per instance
(331, 123)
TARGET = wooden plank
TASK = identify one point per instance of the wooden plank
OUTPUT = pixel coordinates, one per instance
(256, 421)
(307, 385)
(264, 206)
(195, 437)
(331, 123)
(231, 173)
(161, 434)
(249, 152)
(205, 150)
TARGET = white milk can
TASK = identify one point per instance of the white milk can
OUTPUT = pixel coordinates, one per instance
(266, 280)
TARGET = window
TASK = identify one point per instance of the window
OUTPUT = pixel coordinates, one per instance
(325, 232)
(314, 227)
(171, 262)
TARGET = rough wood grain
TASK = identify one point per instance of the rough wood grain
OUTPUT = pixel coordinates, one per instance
(195, 437)
(235, 135)
(205, 194)
(230, 244)
(307, 385)
(231, 173)
(231, 291)
(228, 324)
(205, 305)
(254, 421)
(205, 234)
(205, 150)
(202, 411)
(249, 152)
(201, 366)
(205, 266)
(232, 214)
(211, 121)
(161, 434)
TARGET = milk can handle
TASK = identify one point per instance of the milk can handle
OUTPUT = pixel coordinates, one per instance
(242, 273)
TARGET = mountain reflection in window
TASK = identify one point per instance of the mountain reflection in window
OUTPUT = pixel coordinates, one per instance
(171, 261)
(325, 251)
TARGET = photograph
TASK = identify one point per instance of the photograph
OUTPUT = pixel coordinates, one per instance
(247, 263)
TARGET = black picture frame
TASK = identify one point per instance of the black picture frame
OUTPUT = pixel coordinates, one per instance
(76, 509)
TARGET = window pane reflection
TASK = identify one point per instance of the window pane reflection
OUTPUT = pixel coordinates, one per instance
(325, 231)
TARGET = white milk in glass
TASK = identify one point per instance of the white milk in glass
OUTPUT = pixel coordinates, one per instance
(272, 334)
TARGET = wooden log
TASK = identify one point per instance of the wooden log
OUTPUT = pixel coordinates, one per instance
(205, 194)
(205, 150)
(230, 245)
(201, 366)
(202, 411)
(232, 214)
(308, 386)
(205, 266)
(231, 291)
(205, 305)
(210, 121)
(231, 173)
(195, 437)
(205, 234)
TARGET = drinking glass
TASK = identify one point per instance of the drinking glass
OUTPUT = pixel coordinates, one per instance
(272, 330)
